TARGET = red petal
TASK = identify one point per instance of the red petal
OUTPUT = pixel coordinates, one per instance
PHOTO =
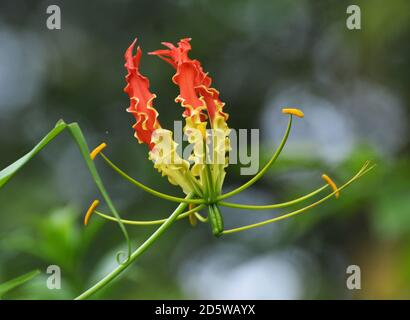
(140, 98)
(194, 83)
(187, 79)
(214, 106)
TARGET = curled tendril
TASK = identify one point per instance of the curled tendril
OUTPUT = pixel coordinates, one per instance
(119, 255)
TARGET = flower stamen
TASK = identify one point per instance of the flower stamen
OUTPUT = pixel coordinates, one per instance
(148, 189)
(361, 172)
(97, 150)
(331, 183)
(90, 211)
(267, 166)
(293, 111)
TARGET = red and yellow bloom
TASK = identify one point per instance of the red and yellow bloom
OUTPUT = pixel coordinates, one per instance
(203, 178)
(201, 103)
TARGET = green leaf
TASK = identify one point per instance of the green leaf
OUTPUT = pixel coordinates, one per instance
(16, 282)
(8, 172)
(77, 135)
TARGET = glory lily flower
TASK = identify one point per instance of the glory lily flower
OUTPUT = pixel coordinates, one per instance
(201, 176)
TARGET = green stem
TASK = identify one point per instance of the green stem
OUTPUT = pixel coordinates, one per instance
(261, 173)
(148, 189)
(141, 249)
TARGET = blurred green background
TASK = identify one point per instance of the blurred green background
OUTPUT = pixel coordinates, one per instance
(352, 85)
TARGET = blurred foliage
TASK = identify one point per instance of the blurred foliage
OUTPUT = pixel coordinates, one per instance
(14, 283)
(252, 49)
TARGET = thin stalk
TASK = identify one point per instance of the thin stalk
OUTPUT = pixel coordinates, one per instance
(200, 217)
(150, 222)
(140, 250)
(262, 172)
(195, 185)
(210, 183)
(290, 214)
(209, 190)
(148, 189)
(273, 206)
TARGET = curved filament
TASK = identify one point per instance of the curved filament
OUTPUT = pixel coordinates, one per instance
(148, 189)
(261, 173)
(151, 222)
(361, 172)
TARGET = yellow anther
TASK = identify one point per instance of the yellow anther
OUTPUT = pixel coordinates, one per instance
(90, 211)
(293, 111)
(97, 150)
(331, 184)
